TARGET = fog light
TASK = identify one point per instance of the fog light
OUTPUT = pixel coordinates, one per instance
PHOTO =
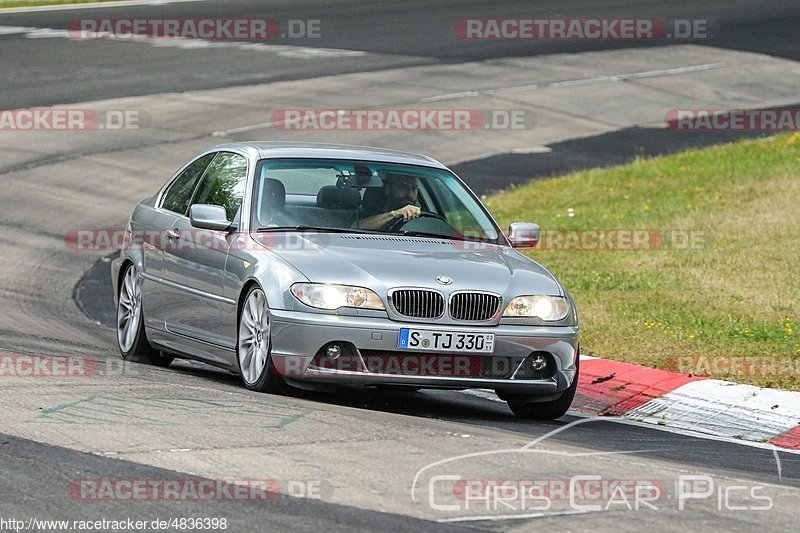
(334, 351)
(538, 362)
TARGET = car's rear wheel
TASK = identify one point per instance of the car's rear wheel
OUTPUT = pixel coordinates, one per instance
(254, 346)
(547, 410)
(131, 338)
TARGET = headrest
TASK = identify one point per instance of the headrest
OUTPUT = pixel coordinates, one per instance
(274, 195)
(333, 197)
(273, 200)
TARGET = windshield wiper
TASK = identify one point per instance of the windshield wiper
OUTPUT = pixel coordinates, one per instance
(311, 229)
(427, 234)
(450, 237)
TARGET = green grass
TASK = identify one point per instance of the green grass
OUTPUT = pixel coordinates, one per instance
(28, 3)
(727, 306)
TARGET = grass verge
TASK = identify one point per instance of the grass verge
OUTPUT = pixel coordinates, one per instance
(704, 276)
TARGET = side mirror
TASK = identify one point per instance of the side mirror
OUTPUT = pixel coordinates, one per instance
(206, 216)
(523, 234)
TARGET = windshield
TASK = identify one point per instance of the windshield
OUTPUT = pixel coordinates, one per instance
(367, 196)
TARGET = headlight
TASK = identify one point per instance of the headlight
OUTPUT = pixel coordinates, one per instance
(329, 296)
(545, 307)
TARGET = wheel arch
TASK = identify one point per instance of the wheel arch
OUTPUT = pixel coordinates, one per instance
(123, 269)
(248, 285)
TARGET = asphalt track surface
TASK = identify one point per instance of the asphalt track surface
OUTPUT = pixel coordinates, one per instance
(51, 71)
(30, 468)
(40, 72)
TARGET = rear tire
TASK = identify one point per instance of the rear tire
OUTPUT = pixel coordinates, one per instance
(549, 410)
(131, 338)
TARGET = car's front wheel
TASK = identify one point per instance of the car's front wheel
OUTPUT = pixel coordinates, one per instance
(131, 338)
(547, 410)
(254, 346)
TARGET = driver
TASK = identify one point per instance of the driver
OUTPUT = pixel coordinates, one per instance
(401, 198)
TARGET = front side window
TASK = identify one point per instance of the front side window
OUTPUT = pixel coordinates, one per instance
(179, 193)
(223, 183)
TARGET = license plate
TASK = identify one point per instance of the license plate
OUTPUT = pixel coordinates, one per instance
(445, 341)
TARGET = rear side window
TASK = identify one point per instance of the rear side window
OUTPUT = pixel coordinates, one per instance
(179, 193)
(223, 183)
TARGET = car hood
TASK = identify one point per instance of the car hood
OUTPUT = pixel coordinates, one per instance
(382, 262)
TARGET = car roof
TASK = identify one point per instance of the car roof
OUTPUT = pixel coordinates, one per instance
(264, 150)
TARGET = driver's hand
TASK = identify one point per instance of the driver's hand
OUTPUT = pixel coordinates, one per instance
(408, 212)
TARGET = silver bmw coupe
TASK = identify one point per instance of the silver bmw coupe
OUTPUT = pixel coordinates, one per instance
(320, 265)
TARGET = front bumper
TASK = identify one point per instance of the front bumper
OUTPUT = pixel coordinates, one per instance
(298, 338)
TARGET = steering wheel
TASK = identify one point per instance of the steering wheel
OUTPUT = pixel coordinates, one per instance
(400, 222)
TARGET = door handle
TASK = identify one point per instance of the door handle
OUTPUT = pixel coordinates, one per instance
(172, 234)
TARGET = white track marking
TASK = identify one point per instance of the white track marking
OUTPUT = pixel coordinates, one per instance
(93, 5)
(486, 394)
(46, 33)
(593, 80)
(242, 129)
(281, 50)
(13, 30)
(724, 408)
(297, 52)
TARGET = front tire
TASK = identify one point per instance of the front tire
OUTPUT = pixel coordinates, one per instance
(131, 337)
(254, 346)
(549, 410)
